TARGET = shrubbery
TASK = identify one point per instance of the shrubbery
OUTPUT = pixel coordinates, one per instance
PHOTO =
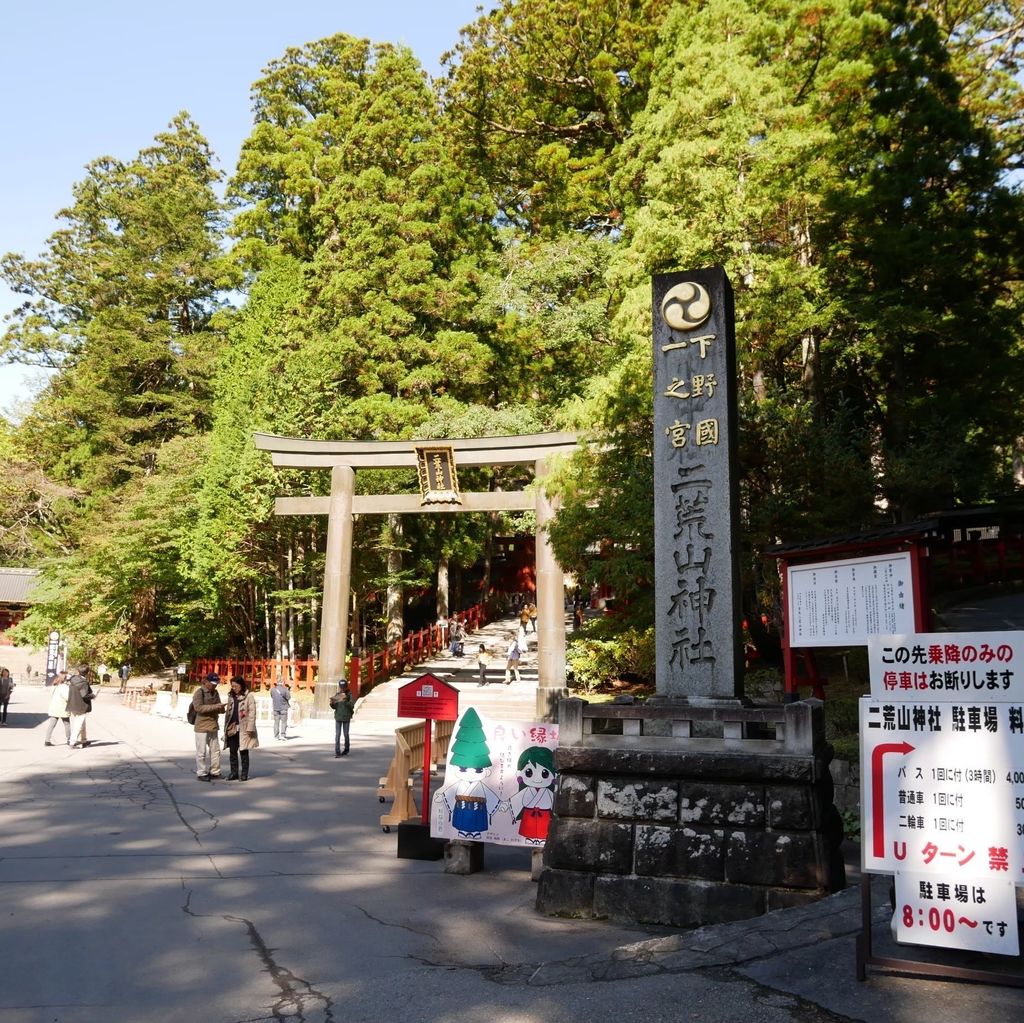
(601, 658)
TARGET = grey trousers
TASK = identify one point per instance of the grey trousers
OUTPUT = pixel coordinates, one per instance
(53, 724)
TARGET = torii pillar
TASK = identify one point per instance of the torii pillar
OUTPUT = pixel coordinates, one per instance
(343, 458)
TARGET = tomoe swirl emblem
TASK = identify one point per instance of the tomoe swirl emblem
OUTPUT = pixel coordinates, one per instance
(686, 306)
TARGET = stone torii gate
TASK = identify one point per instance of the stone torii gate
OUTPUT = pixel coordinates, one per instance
(438, 494)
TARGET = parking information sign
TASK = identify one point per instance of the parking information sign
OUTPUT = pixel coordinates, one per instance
(978, 915)
(942, 784)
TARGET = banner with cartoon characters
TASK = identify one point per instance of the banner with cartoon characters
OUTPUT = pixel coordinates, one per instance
(499, 782)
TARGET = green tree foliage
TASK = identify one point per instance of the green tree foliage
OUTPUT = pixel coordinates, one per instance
(33, 508)
(122, 305)
(365, 319)
(538, 96)
(770, 142)
(924, 246)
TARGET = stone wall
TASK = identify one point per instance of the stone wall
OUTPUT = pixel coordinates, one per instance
(692, 828)
(846, 777)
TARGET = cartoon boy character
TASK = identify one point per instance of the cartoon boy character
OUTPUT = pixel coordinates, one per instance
(469, 802)
(531, 805)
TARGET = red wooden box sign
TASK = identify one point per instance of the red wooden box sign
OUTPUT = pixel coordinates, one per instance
(428, 697)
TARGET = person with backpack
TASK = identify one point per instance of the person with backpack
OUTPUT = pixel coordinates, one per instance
(512, 657)
(202, 715)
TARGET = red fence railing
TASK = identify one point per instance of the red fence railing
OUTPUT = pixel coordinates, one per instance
(364, 670)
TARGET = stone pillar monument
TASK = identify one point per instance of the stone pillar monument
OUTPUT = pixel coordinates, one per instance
(550, 609)
(337, 577)
(696, 504)
(692, 807)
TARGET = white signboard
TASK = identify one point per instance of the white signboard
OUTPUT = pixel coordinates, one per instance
(499, 782)
(972, 913)
(942, 788)
(983, 667)
(842, 603)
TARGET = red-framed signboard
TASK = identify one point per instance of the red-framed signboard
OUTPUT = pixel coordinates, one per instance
(430, 698)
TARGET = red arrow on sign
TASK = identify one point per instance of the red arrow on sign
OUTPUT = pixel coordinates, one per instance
(878, 793)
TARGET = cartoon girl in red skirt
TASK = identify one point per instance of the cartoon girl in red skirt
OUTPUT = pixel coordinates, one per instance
(531, 805)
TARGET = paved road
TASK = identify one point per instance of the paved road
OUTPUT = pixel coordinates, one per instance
(131, 892)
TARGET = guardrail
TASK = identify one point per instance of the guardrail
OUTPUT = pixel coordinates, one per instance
(364, 670)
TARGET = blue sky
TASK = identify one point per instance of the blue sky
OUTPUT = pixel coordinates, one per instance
(83, 80)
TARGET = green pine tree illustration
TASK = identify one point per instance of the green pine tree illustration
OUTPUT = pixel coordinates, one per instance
(470, 747)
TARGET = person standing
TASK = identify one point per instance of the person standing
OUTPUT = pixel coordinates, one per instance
(6, 688)
(123, 673)
(512, 656)
(240, 728)
(58, 709)
(456, 634)
(80, 697)
(341, 701)
(481, 664)
(280, 700)
(531, 610)
(206, 706)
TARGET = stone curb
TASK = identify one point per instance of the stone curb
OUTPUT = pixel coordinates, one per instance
(836, 916)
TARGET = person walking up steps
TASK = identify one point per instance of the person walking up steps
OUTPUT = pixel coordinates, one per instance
(512, 661)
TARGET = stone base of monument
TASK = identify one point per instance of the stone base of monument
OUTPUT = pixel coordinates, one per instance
(415, 843)
(676, 826)
(463, 857)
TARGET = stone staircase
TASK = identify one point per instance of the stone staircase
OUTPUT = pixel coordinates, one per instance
(376, 712)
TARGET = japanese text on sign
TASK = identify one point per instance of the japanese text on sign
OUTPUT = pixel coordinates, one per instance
(840, 603)
(947, 666)
(977, 914)
(943, 788)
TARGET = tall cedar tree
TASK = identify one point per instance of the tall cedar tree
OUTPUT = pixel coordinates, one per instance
(121, 306)
(924, 245)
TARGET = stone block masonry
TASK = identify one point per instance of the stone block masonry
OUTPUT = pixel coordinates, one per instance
(661, 825)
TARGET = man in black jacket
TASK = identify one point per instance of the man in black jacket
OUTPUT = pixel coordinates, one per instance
(80, 696)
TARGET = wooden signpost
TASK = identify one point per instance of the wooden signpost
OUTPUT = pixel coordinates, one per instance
(430, 698)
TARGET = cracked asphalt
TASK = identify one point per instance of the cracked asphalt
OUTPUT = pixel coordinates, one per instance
(131, 892)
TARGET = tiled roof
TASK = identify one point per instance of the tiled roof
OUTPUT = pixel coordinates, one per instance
(16, 584)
